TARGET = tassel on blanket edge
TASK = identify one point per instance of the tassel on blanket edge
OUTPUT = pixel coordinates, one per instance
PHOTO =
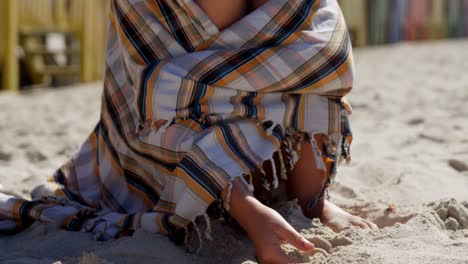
(208, 230)
(283, 172)
(317, 155)
(274, 173)
(248, 185)
(227, 202)
(265, 182)
(200, 240)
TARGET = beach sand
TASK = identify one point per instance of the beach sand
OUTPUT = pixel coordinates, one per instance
(409, 172)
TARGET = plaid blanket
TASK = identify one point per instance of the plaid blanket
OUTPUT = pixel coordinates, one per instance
(187, 108)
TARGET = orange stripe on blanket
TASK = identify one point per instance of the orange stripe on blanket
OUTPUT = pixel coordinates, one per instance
(16, 212)
(194, 186)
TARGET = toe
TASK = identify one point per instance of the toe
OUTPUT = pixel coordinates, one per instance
(372, 225)
(360, 223)
(368, 224)
(364, 225)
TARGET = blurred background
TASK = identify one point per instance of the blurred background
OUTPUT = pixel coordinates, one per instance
(46, 43)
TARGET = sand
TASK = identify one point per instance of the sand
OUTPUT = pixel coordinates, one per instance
(409, 171)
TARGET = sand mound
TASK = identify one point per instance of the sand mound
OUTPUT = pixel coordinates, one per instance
(437, 240)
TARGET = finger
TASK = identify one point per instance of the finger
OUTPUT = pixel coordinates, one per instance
(368, 224)
(361, 224)
(277, 256)
(372, 225)
(297, 240)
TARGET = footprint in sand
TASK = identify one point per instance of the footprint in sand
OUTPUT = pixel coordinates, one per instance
(59, 133)
(24, 145)
(35, 156)
(344, 191)
(22, 133)
(458, 165)
(416, 121)
(5, 154)
(433, 138)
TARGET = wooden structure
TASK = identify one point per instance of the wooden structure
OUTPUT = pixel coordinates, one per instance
(397, 20)
(465, 18)
(454, 18)
(355, 13)
(437, 19)
(9, 23)
(378, 21)
(25, 23)
(417, 26)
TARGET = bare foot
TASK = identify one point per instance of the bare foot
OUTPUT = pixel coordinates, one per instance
(338, 219)
(306, 181)
(267, 229)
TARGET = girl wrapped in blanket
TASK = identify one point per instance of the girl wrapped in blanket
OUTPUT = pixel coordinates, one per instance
(209, 107)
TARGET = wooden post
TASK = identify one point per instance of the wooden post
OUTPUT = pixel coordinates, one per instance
(378, 21)
(438, 18)
(454, 18)
(465, 18)
(11, 64)
(355, 13)
(417, 23)
(87, 40)
(101, 42)
(75, 15)
(60, 15)
(397, 20)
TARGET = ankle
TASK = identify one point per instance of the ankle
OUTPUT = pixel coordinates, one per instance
(315, 211)
(243, 205)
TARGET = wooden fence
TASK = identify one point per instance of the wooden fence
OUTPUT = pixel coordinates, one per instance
(87, 19)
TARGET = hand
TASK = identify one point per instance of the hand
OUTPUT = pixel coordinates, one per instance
(270, 232)
(267, 229)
